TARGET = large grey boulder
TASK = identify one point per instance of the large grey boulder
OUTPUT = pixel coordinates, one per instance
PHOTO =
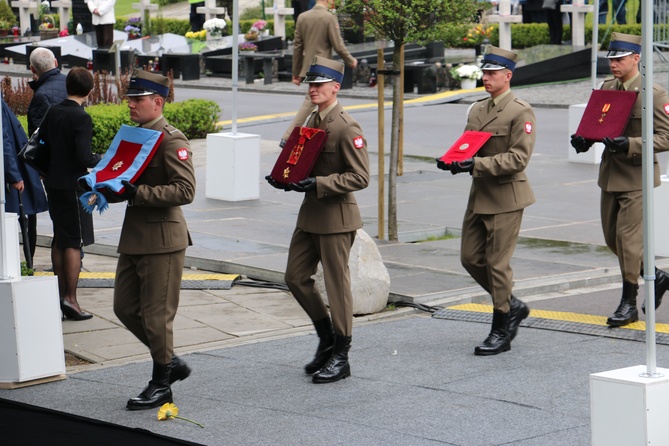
(370, 280)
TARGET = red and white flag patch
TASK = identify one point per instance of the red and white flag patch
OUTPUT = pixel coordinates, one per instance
(666, 108)
(528, 127)
(182, 154)
(358, 142)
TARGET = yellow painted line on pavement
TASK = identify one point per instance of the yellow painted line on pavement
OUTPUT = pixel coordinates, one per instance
(108, 275)
(565, 317)
(422, 99)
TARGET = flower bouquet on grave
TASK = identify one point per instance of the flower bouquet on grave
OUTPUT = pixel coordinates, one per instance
(214, 28)
(472, 72)
(261, 26)
(133, 26)
(197, 35)
(248, 47)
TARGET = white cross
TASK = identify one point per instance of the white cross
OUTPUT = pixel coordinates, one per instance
(25, 7)
(210, 10)
(505, 19)
(145, 7)
(279, 18)
(578, 12)
(64, 7)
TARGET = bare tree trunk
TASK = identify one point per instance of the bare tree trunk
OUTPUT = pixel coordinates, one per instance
(394, 144)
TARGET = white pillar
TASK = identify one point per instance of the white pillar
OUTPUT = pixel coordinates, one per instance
(592, 156)
(628, 408)
(233, 166)
(31, 332)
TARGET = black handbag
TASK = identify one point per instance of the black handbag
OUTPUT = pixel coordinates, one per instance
(36, 154)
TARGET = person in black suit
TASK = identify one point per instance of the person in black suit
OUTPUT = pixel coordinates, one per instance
(67, 130)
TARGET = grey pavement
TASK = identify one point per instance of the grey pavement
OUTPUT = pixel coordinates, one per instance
(415, 379)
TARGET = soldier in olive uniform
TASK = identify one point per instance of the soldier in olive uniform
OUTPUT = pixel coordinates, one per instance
(620, 175)
(327, 222)
(316, 34)
(153, 241)
(500, 192)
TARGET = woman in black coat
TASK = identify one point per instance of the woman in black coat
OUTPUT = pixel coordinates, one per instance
(67, 130)
(21, 178)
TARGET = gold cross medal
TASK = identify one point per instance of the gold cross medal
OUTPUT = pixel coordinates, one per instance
(605, 110)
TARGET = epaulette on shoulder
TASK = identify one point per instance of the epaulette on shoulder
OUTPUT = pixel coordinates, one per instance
(480, 100)
(521, 102)
(344, 116)
(169, 128)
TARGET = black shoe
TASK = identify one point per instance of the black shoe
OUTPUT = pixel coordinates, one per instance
(337, 366)
(325, 346)
(661, 287)
(626, 313)
(70, 312)
(519, 312)
(499, 339)
(179, 370)
(157, 393)
(152, 396)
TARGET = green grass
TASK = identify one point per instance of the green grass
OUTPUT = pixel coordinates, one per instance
(123, 8)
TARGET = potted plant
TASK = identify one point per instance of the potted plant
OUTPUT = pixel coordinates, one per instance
(467, 75)
(4, 28)
(248, 47)
(260, 26)
(7, 17)
(48, 27)
(133, 26)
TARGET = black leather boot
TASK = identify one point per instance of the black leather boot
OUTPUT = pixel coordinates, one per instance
(325, 346)
(626, 313)
(179, 370)
(499, 339)
(158, 391)
(337, 366)
(661, 287)
(519, 311)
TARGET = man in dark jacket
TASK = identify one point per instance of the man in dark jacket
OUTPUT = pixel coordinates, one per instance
(48, 86)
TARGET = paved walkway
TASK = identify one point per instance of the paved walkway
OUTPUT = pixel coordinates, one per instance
(415, 380)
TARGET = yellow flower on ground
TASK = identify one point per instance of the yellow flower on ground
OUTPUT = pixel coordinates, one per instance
(169, 410)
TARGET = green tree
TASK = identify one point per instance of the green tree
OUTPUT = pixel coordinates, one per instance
(406, 21)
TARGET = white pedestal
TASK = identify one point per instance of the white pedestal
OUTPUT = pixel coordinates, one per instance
(578, 13)
(9, 248)
(31, 334)
(628, 409)
(592, 156)
(660, 216)
(233, 166)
